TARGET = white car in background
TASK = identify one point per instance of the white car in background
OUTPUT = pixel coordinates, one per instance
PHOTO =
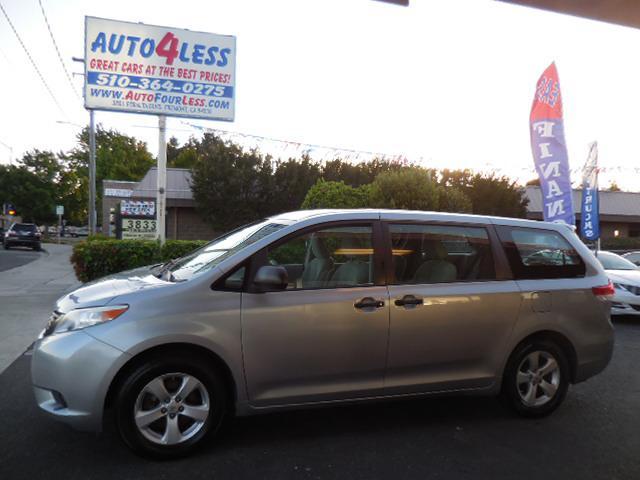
(633, 257)
(626, 282)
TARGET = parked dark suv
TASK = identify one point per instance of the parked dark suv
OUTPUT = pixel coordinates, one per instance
(22, 234)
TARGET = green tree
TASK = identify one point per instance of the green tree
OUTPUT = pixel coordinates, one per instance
(613, 187)
(230, 186)
(182, 157)
(45, 164)
(411, 188)
(33, 197)
(453, 200)
(489, 194)
(493, 195)
(336, 195)
(292, 179)
(362, 173)
(118, 157)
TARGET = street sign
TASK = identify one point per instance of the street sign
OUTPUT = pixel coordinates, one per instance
(138, 229)
(8, 209)
(137, 208)
(117, 192)
(59, 209)
(138, 68)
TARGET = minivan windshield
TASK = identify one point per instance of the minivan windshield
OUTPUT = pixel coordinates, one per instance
(207, 257)
(611, 261)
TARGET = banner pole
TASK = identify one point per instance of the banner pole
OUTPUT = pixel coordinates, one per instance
(162, 178)
(92, 173)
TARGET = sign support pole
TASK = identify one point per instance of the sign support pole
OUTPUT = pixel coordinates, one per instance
(162, 178)
(92, 173)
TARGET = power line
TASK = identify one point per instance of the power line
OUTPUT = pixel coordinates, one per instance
(35, 66)
(55, 44)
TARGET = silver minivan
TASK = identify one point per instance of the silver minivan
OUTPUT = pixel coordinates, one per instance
(323, 307)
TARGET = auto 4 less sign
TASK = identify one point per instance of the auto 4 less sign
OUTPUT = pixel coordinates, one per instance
(132, 67)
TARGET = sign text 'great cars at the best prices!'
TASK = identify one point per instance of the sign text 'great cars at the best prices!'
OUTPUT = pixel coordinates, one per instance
(132, 67)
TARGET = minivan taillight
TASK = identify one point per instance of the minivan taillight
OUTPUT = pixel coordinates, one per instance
(605, 292)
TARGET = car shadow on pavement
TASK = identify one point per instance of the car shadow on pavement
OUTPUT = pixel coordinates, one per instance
(361, 419)
(626, 320)
(285, 429)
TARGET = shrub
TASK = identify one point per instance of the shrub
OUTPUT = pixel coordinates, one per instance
(620, 243)
(410, 188)
(179, 248)
(453, 200)
(97, 257)
(336, 195)
(98, 237)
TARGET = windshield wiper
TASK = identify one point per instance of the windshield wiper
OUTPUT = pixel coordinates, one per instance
(173, 279)
(164, 267)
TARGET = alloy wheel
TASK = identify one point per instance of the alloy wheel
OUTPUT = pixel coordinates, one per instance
(538, 378)
(171, 408)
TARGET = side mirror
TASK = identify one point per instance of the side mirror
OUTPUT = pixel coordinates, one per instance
(270, 277)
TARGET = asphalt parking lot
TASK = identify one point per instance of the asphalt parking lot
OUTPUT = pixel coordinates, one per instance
(595, 434)
(16, 257)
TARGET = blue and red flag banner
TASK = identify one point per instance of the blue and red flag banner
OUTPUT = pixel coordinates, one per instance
(590, 212)
(549, 149)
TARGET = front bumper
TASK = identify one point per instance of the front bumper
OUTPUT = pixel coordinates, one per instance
(625, 303)
(71, 373)
(22, 242)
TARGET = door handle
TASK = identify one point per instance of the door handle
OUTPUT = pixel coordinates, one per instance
(368, 302)
(408, 300)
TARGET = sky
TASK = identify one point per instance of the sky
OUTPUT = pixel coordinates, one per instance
(444, 83)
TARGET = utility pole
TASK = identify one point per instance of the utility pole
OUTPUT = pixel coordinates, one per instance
(92, 164)
(161, 194)
(10, 151)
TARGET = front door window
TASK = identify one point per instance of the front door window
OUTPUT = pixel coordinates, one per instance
(333, 257)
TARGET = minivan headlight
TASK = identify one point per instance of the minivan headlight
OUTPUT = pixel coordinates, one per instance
(86, 317)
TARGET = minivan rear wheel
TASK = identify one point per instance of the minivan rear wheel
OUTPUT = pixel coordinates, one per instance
(536, 378)
(167, 408)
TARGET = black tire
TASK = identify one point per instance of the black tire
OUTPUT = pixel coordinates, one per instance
(37, 248)
(513, 393)
(6, 246)
(151, 369)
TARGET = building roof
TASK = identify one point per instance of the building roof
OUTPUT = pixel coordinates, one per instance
(611, 203)
(623, 12)
(178, 184)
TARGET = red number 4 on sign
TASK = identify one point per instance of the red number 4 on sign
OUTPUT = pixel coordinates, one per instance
(168, 48)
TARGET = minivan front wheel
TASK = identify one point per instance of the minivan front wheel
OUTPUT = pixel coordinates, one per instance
(168, 407)
(536, 378)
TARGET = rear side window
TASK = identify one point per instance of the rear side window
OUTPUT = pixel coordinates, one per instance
(425, 253)
(24, 227)
(535, 253)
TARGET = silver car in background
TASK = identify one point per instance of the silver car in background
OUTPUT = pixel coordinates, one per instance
(323, 307)
(626, 282)
(633, 257)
